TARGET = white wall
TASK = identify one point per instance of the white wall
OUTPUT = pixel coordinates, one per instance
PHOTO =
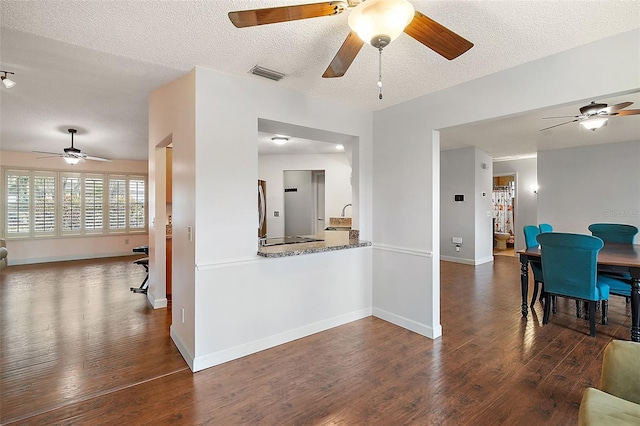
(465, 171)
(457, 176)
(526, 199)
(44, 249)
(237, 302)
(406, 162)
(172, 120)
(484, 207)
(338, 191)
(580, 186)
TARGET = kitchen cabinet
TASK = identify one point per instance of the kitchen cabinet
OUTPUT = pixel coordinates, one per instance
(169, 267)
(169, 173)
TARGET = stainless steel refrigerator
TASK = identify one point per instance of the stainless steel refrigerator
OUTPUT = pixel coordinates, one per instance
(262, 209)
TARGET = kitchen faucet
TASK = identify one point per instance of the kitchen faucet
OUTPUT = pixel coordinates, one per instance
(344, 208)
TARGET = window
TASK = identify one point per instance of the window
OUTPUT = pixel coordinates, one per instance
(117, 206)
(93, 203)
(71, 203)
(18, 203)
(44, 204)
(49, 203)
(136, 203)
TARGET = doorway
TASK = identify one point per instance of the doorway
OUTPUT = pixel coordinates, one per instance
(504, 210)
(304, 202)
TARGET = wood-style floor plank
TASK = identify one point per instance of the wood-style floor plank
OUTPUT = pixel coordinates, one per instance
(79, 348)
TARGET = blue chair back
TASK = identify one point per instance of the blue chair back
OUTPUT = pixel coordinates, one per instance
(614, 232)
(530, 234)
(569, 264)
(545, 227)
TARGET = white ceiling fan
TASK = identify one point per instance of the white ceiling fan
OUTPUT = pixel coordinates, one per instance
(73, 155)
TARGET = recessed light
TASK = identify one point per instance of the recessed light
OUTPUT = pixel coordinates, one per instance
(279, 140)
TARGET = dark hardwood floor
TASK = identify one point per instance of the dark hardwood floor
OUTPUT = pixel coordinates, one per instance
(77, 347)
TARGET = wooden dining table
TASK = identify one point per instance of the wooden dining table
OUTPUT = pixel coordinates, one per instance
(624, 257)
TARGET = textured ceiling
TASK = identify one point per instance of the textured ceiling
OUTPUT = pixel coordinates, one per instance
(92, 65)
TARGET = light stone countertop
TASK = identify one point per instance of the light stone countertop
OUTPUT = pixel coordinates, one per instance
(333, 241)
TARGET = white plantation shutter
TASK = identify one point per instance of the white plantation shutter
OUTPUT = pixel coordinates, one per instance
(136, 203)
(93, 203)
(18, 202)
(58, 204)
(71, 203)
(117, 203)
(44, 203)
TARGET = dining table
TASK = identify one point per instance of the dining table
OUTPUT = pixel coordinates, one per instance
(622, 257)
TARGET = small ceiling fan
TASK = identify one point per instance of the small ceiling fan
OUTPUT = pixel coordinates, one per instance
(72, 155)
(595, 115)
(377, 22)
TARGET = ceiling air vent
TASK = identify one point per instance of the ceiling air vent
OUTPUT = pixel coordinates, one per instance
(266, 73)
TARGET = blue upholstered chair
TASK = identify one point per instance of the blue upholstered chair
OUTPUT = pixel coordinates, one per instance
(620, 234)
(614, 232)
(569, 266)
(545, 227)
(530, 234)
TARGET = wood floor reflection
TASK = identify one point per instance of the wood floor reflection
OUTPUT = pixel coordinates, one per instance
(79, 348)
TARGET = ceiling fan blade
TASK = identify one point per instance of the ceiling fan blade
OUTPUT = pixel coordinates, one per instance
(562, 116)
(437, 37)
(615, 108)
(57, 154)
(89, 157)
(561, 124)
(345, 56)
(628, 112)
(273, 15)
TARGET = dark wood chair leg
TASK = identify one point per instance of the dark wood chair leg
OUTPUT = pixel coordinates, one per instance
(554, 304)
(547, 308)
(627, 300)
(535, 294)
(592, 318)
(578, 309)
(605, 312)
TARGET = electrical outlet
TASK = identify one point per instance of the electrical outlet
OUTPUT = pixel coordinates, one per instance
(189, 233)
(182, 314)
(276, 213)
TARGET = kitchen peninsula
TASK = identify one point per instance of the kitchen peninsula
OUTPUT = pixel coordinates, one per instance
(332, 242)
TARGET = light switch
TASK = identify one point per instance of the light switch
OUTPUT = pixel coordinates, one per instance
(456, 240)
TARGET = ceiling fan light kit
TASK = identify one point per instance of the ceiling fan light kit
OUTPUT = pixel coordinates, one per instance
(594, 123)
(379, 22)
(8, 83)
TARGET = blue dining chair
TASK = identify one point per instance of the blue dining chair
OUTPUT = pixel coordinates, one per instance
(618, 233)
(545, 227)
(530, 234)
(570, 269)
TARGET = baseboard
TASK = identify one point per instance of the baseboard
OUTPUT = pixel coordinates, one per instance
(409, 324)
(13, 262)
(181, 347)
(220, 357)
(457, 260)
(466, 261)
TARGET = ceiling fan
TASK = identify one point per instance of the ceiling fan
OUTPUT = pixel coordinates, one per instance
(595, 115)
(72, 155)
(377, 22)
